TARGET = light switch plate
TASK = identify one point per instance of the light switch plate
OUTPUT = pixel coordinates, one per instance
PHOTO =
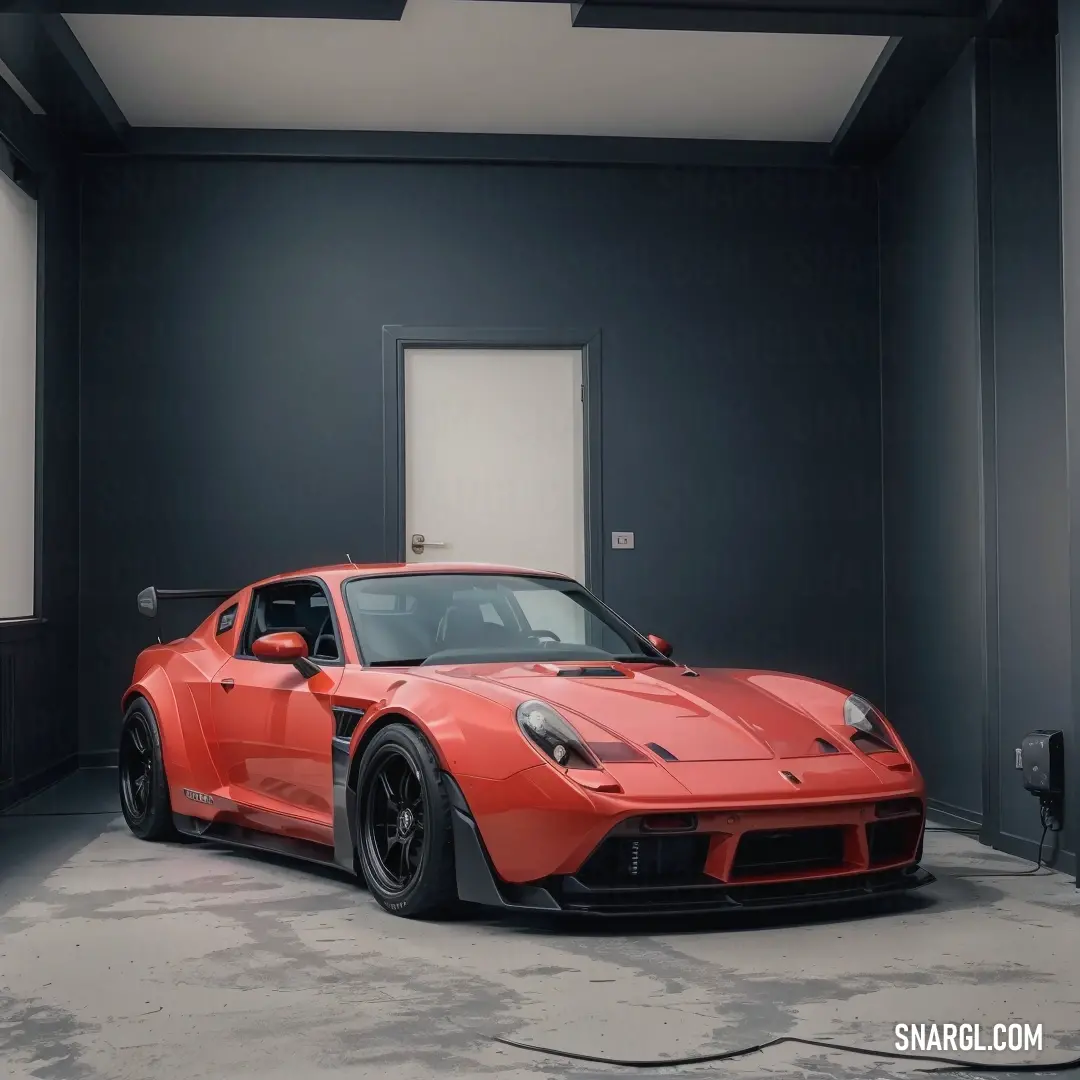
(1019, 758)
(623, 540)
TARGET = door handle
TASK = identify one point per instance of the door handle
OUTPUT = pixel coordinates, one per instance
(227, 685)
(419, 543)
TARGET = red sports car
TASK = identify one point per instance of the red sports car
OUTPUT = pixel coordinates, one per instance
(499, 736)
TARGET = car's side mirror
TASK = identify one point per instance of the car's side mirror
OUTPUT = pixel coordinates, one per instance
(660, 645)
(283, 647)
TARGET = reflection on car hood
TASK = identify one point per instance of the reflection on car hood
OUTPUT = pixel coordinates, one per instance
(723, 715)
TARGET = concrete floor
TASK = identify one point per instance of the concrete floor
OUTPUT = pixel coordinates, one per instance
(121, 960)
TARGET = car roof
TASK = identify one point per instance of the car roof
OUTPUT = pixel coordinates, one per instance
(334, 575)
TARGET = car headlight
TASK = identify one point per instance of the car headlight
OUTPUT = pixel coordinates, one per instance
(551, 734)
(861, 715)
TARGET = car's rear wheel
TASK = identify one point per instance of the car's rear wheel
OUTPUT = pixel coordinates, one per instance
(144, 791)
(404, 834)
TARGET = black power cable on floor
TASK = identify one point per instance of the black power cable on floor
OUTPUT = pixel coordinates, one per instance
(1049, 824)
(945, 1064)
(1038, 869)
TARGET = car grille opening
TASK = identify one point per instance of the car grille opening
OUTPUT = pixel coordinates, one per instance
(898, 807)
(654, 823)
(788, 851)
(894, 840)
(628, 861)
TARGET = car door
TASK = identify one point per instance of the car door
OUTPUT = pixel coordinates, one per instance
(274, 726)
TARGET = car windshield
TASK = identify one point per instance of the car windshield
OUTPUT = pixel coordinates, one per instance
(431, 618)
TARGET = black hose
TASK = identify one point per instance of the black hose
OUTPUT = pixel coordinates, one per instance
(947, 1063)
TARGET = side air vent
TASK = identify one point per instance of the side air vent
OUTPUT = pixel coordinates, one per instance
(825, 747)
(598, 672)
(659, 751)
(345, 721)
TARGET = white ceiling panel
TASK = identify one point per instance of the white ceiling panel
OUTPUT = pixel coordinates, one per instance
(470, 66)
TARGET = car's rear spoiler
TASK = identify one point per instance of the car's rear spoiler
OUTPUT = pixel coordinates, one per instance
(148, 598)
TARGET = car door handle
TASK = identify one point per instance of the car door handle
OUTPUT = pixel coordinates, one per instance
(227, 685)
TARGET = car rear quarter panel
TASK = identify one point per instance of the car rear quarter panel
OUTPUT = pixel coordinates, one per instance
(175, 680)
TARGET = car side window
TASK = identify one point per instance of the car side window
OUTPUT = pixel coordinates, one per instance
(226, 620)
(300, 607)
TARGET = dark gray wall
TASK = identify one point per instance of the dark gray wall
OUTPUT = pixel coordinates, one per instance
(973, 389)
(40, 658)
(1069, 65)
(232, 400)
(1034, 663)
(932, 446)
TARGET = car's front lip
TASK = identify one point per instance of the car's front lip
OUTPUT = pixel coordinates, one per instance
(575, 898)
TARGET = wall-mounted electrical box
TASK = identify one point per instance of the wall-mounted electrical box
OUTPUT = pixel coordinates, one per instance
(1043, 755)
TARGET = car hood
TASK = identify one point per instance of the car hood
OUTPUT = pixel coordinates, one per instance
(720, 715)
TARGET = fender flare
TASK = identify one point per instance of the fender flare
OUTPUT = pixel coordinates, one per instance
(156, 688)
(476, 880)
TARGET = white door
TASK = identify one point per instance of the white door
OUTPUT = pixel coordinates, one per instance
(18, 389)
(494, 463)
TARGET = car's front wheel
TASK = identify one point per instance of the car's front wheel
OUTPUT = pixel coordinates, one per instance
(144, 791)
(403, 827)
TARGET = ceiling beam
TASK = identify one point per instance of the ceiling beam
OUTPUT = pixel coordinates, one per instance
(21, 130)
(910, 67)
(268, 144)
(383, 10)
(47, 59)
(896, 89)
(869, 18)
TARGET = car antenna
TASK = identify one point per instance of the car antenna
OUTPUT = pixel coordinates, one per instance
(349, 560)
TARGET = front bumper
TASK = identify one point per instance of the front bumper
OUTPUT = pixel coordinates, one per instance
(599, 888)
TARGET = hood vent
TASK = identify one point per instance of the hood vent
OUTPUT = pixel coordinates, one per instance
(659, 751)
(596, 672)
(871, 744)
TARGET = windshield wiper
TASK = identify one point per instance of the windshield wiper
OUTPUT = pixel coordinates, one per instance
(398, 663)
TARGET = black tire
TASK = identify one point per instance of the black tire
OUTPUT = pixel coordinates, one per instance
(404, 836)
(144, 791)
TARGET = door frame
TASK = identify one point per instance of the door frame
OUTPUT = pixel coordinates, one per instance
(397, 339)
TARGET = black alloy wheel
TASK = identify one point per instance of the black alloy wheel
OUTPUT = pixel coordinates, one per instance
(136, 767)
(394, 821)
(404, 833)
(144, 791)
